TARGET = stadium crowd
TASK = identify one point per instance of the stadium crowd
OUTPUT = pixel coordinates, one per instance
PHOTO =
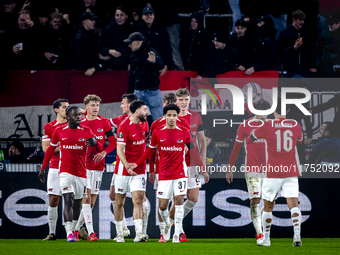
(292, 36)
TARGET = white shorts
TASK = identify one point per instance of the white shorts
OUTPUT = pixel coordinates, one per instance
(124, 184)
(170, 188)
(289, 187)
(53, 183)
(254, 185)
(155, 185)
(194, 179)
(94, 180)
(73, 184)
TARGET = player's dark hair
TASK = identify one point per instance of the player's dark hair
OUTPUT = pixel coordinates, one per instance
(170, 107)
(262, 105)
(136, 105)
(330, 128)
(130, 97)
(170, 98)
(57, 103)
(278, 107)
(70, 108)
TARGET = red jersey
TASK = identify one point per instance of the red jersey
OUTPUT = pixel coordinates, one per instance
(255, 152)
(133, 137)
(160, 123)
(99, 127)
(115, 122)
(281, 137)
(73, 150)
(196, 125)
(171, 144)
(49, 129)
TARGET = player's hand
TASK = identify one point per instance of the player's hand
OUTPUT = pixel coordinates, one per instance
(229, 176)
(41, 176)
(152, 57)
(129, 167)
(99, 157)
(91, 141)
(308, 140)
(152, 178)
(206, 177)
(82, 111)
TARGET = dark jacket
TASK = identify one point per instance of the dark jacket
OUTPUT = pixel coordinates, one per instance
(329, 49)
(112, 39)
(328, 150)
(158, 38)
(144, 74)
(99, 11)
(267, 48)
(245, 47)
(213, 153)
(220, 61)
(301, 59)
(333, 102)
(84, 50)
(193, 47)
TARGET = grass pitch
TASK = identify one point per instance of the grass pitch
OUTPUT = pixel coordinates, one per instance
(194, 246)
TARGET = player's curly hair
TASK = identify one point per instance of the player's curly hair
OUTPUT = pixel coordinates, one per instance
(135, 105)
(90, 98)
(70, 108)
(170, 107)
(170, 98)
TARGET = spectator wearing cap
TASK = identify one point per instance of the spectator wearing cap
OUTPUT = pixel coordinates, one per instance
(194, 43)
(267, 47)
(145, 64)
(24, 44)
(297, 50)
(84, 53)
(156, 34)
(329, 46)
(244, 44)
(220, 57)
(15, 153)
(57, 42)
(112, 41)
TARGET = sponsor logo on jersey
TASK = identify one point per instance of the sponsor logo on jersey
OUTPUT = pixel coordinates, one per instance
(255, 193)
(162, 140)
(73, 147)
(160, 193)
(120, 134)
(100, 130)
(81, 140)
(99, 137)
(138, 142)
(134, 135)
(121, 190)
(173, 148)
(260, 140)
(182, 190)
(65, 189)
(50, 189)
(180, 141)
(120, 139)
(64, 138)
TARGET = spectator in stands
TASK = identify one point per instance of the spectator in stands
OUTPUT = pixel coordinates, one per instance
(84, 53)
(213, 153)
(167, 16)
(56, 42)
(267, 47)
(244, 44)
(194, 43)
(112, 41)
(329, 46)
(25, 44)
(157, 36)
(15, 153)
(97, 10)
(328, 148)
(8, 16)
(220, 57)
(145, 64)
(297, 51)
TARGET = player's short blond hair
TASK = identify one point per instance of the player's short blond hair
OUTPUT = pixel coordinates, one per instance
(170, 98)
(90, 98)
(182, 92)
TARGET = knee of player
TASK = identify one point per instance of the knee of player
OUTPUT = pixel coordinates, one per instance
(112, 196)
(138, 200)
(54, 201)
(255, 201)
(163, 207)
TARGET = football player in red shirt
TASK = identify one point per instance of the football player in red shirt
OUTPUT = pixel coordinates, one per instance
(74, 141)
(254, 159)
(282, 169)
(131, 136)
(53, 185)
(172, 143)
(197, 131)
(101, 127)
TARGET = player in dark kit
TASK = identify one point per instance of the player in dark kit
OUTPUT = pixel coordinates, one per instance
(74, 141)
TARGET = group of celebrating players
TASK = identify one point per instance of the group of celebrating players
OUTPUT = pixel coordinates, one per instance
(74, 150)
